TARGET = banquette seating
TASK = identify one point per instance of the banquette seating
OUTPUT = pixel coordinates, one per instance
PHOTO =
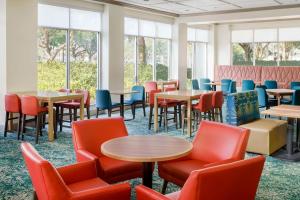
(266, 135)
(282, 74)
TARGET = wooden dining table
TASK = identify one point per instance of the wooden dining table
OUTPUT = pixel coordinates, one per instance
(290, 112)
(162, 84)
(181, 95)
(122, 93)
(146, 149)
(51, 97)
(279, 93)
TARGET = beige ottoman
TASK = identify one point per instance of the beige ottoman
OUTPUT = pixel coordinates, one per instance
(266, 135)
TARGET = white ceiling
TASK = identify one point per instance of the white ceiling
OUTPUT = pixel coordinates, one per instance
(201, 6)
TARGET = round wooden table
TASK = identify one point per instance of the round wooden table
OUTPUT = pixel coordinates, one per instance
(146, 149)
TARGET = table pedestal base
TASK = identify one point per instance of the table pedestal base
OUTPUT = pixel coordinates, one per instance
(147, 174)
(283, 155)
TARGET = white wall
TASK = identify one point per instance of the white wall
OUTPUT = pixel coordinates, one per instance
(21, 45)
(2, 57)
(223, 44)
(18, 47)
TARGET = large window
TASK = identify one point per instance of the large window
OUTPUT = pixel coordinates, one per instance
(146, 51)
(196, 54)
(266, 47)
(68, 48)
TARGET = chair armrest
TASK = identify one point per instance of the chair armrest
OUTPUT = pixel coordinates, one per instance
(78, 172)
(118, 191)
(83, 155)
(144, 193)
(220, 162)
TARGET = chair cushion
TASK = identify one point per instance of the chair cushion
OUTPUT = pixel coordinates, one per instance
(87, 184)
(70, 105)
(43, 109)
(173, 196)
(181, 169)
(113, 167)
(129, 102)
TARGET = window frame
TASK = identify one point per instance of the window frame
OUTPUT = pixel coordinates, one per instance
(154, 63)
(68, 31)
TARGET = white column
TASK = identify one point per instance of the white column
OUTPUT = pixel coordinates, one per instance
(18, 47)
(211, 52)
(2, 58)
(179, 54)
(113, 48)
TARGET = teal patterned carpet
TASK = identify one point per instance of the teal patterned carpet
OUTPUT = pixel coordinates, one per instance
(280, 179)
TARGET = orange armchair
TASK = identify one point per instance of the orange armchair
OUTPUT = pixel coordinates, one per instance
(236, 180)
(214, 144)
(76, 182)
(88, 136)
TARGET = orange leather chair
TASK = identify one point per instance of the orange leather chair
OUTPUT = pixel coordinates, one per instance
(214, 144)
(12, 106)
(232, 181)
(78, 181)
(217, 103)
(88, 136)
(31, 107)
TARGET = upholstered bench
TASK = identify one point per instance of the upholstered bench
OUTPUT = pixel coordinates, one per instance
(266, 135)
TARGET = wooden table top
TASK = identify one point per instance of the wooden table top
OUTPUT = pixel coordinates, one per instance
(146, 148)
(182, 94)
(120, 92)
(47, 95)
(280, 91)
(166, 82)
(286, 107)
(282, 113)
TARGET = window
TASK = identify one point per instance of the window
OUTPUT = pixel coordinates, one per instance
(266, 47)
(147, 51)
(197, 54)
(68, 48)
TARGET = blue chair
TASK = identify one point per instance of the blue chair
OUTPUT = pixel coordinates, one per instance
(271, 84)
(203, 85)
(263, 98)
(296, 97)
(103, 102)
(137, 99)
(248, 85)
(232, 87)
(294, 84)
(195, 84)
(225, 85)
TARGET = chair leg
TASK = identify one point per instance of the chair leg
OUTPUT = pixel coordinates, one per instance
(164, 187)
(57, 117)
(19, 125)
(134, 107)
(34, 196)
(221, 115)
(182, 119)
(160, 116)
(213, 114)
(175, 117)
(88, 113)
(109, 112)
(97, 112)
(75, 114)
(70, 114)
(37, 128)
(61, 119)
(23, 126)
(166, 118)
(180, 115)
(144, 108)
(150, 118)
(132, 111)
(6, 123)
